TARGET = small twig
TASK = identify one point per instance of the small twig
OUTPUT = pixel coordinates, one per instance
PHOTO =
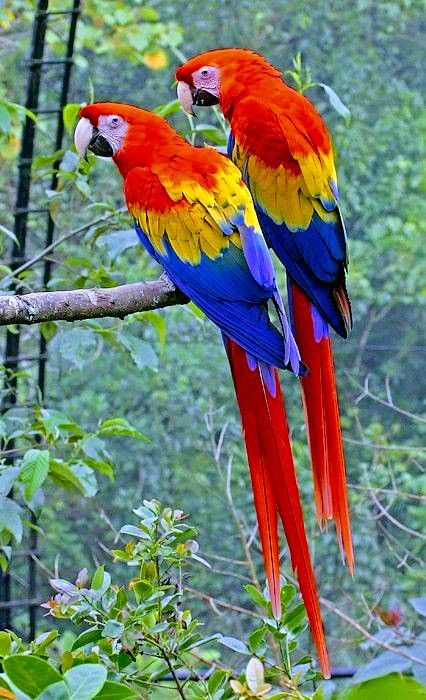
(42, 566)
(173, 672)
(56, 242)
(390, 492)
(389, 404)
(392, 448)
(365, 633)
(408, 553)
(233, 574)
(222, 604)
(228, 560)
(394, 521)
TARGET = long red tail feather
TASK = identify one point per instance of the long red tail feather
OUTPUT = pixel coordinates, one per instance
(264, 500)
(275, 487)
(319, 394)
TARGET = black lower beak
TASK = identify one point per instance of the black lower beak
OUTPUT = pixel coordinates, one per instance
(203, 98)
(99, 145)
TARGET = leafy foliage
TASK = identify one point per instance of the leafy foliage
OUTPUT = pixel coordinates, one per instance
(50, 446)
(140, 636)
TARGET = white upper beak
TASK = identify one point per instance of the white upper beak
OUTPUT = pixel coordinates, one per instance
(185, 97)
(82, 136)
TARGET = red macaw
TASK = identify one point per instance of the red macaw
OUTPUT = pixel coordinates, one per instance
(283, 149)
(195, 216)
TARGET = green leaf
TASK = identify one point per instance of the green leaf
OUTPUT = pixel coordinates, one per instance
(5, 643)
(295, 616)
(101, 466)
(134, 532)
(141, 352)
(288, 593)
(159, 627)
(43, 162)
(120, 426)
(31, 674)
(116, 691)
(44, 640)
(34, 470)
(86, 637)
(10, 518)
(158, 321)
(256, 595)
(55, 691)
(168, 109)
(48, 329)
(61, 474)
(256, 638)
(142, 590)
(116, 242)
(55, 421)
(234, 644)
(211, 133)
(336, 102)
(98, 578)
(216, 680)
(113, 629)
(85, 681)
(87, 478)
(7, 479)
(69, 115)
(391, 687)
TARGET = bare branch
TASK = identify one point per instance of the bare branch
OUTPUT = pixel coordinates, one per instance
(389, 647)
(79, 304)
(394, 521)
(389, 403)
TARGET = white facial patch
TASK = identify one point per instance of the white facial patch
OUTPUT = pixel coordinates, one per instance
(113, 128)
(207, 78)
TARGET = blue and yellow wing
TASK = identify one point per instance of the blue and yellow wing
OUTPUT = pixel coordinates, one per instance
(296, 201)
(210, 243)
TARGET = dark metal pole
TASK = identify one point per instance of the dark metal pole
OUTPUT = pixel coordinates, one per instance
(42, 364)
(22, 210)
(54, 182)
(20, 230)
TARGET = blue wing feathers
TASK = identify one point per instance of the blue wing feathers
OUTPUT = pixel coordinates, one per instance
(258, 257)
(315, 257)
(228, 294)
(320, 291)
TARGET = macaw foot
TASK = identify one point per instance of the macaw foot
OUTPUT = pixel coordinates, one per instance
(170, 286)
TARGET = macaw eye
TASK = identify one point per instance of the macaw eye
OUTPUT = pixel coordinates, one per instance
(114, 121)
(205, 72)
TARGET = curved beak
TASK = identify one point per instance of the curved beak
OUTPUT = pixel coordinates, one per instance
(185, 97)
(87, 137)
(82, 136)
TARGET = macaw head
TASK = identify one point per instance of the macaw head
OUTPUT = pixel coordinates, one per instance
(219, 77)
(125, 133)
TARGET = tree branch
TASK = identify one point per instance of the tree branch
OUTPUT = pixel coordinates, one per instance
(79, 304)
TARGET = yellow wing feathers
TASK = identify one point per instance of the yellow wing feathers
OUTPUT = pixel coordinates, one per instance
(197, 217)
(284, 195)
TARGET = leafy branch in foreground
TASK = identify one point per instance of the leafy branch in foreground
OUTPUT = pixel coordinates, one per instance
(141, 640)
(49, 446)
(142, 637)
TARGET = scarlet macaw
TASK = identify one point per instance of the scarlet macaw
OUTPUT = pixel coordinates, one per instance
(283, 149)
(196, 218)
